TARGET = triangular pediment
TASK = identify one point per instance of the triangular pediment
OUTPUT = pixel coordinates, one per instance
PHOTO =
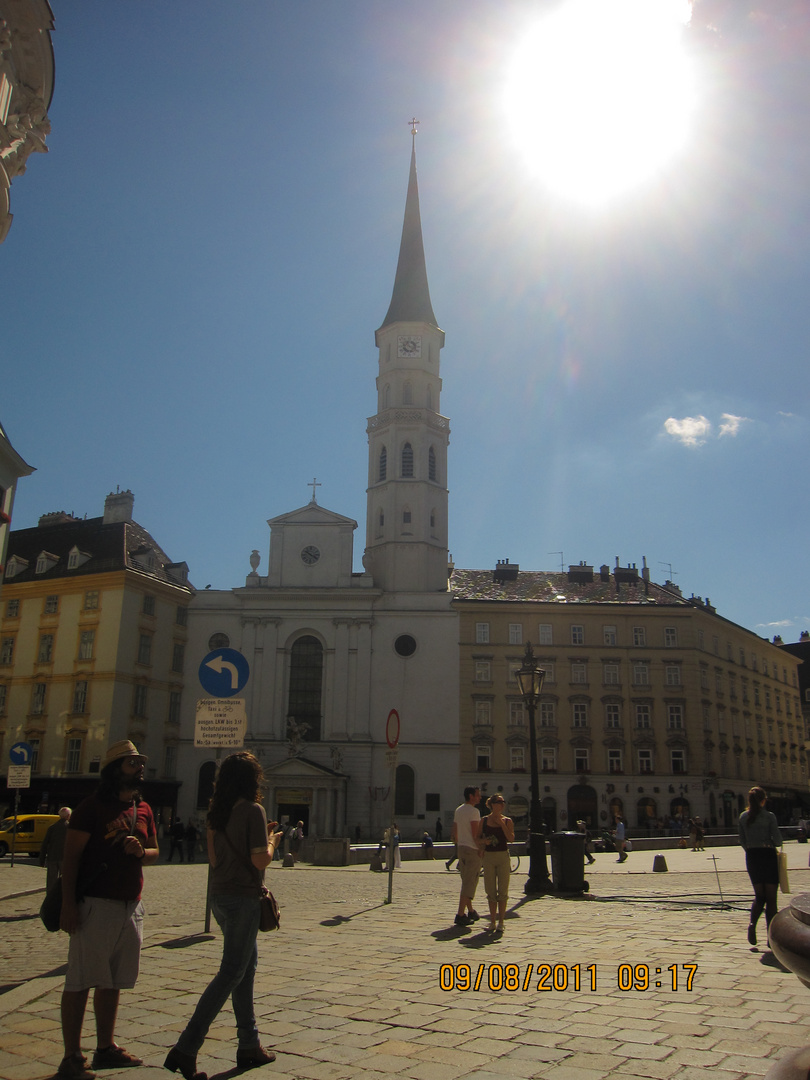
(312, 514)
(299, 767)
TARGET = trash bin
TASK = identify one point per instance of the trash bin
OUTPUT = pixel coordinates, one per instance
(568, 861)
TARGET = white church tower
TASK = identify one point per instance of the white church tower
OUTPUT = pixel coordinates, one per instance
(406, 517)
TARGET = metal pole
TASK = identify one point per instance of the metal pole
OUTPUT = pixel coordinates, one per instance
(538, 880)
(14, 830)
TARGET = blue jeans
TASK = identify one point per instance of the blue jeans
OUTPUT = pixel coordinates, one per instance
(238, 916)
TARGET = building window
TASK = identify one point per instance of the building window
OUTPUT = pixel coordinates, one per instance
(483, 671)
(38, 698)
(639, 636)
(12, 609)
(581, 760)
(515, 633)
(73, 560)
(6, 650)
(615, 761)
(432, 464)
(382, 469)
(170, 761)
(701, 639)
(670, 637)
(407, 460)
(80, 697)
(181, 615)
(139, 701)
(643, 718)
(73, 759)
(483, 758)
(218, 641)
(548, 716)
(34, 744)
(548, 759)
(609, 635)
(610, 674)
(675, 717)
(544, 634)
(579, 673)
(704, 678)
(483, 713)
(45, 654)
(3, 695)
(517, 714)
(145, 649)
(148, 604)
(613, 716)
(406, 517)
(577, 635)
(481, 633)
(173, 716)
(580, 714)
(645, 761)
(673, 675)
(517, 757)
(306, 681)
(641, 674)
(678, 758)
(91, 600)
(178, 656)
(51, 605)
(550, 672)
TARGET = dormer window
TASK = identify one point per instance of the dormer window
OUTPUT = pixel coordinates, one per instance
(15, 565)
(45, 561)
(76, 558)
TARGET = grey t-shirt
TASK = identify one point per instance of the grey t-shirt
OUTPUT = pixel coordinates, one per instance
(247, 831)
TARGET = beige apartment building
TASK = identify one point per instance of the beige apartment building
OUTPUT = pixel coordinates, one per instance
(653, 707)
(92, 650)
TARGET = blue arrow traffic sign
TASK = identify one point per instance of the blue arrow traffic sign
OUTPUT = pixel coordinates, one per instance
(224, 672)
(21, 753)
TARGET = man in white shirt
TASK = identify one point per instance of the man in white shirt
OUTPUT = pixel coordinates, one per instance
(466, 828)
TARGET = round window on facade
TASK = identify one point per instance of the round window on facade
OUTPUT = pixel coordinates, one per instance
(218, 641)
(405, 645)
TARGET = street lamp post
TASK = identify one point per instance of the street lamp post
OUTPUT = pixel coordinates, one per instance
(530, 680)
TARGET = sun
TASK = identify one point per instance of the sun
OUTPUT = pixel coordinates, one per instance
(600, 94)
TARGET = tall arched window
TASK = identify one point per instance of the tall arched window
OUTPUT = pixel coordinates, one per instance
(383, 469)
(431, 464)
(306, 681)
(407, 460)
(406, 784)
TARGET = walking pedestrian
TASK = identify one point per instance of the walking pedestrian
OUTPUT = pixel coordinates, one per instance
(241, 845)
(53, 848)
(465, 832)
(497, 833)
(760, 837)
(111, 837)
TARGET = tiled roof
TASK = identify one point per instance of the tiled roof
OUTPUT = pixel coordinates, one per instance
(110, 547)
(550, 587)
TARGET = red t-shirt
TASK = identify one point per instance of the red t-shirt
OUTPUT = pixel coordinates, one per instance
(109, 824)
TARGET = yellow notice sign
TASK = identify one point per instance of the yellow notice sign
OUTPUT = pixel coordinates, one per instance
(220, 722)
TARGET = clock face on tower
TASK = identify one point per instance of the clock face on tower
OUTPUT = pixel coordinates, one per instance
(409, 345)
(310, 555)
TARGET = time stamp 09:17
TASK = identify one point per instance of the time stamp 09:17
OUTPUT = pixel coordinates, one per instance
(549, 978)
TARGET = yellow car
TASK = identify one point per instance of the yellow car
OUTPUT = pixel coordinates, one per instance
(30, 832)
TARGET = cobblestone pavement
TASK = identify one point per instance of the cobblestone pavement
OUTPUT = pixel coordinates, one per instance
(351, 986)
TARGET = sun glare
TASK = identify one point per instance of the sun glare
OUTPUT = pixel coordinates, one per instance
(600, 94)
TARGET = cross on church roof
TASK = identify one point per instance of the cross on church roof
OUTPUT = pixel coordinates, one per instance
(414, 123)
(313, 484)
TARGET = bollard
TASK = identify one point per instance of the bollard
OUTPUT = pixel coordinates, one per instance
(659, 865)
(288, 859)
(376, 864)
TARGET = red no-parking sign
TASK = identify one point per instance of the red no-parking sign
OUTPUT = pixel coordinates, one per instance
(392, 726)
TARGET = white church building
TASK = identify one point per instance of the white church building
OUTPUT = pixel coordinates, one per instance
(332, 652)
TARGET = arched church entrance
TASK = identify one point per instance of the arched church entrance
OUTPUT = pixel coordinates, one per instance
(582, 806)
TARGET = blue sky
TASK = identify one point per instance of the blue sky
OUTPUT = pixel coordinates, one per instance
(196, 269)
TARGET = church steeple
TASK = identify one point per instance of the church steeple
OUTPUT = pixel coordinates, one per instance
(410, 300)
(406, 524)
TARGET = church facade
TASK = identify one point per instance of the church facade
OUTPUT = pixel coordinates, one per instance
(341, 663)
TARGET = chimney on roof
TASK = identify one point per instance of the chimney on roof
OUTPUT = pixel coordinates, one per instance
(581, 573)
(804, 636)
(58, 517)
(645, 570)
(118, 506)
(604, 572)
(505, 571)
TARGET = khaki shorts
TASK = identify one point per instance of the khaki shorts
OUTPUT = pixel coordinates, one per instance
(469, 864)
(105, 951)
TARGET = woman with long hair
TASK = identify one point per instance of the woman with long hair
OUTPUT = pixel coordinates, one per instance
(240, 845)
(497, 833)
(760, 837)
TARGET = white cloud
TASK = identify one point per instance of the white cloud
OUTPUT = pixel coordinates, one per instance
(691, 431)
(777, 625)
(731, 424)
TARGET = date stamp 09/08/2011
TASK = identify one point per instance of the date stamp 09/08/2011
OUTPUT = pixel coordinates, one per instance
(560, 977)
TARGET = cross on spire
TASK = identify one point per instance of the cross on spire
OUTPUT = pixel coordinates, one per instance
(313, 484)
(414, 124)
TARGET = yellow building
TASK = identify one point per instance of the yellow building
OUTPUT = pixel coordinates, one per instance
(653, 707)
(92, 650)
